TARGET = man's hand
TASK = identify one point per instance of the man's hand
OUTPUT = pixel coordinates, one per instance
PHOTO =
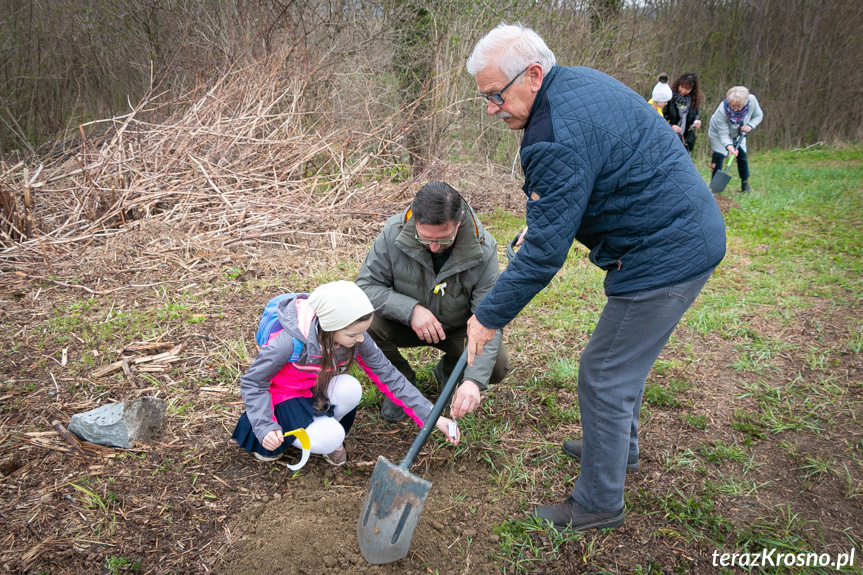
(466, 399)
(273, 440)
(426, 325)
(477, 336)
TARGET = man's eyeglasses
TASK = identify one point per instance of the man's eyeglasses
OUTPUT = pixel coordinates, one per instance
(497, 98)
(426, 242)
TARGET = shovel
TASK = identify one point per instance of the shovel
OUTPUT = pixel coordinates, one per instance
(722, 177)
(396, 497)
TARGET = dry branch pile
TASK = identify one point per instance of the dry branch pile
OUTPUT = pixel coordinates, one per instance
(235, 163)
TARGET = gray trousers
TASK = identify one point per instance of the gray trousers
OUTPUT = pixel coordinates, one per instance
(630, 334)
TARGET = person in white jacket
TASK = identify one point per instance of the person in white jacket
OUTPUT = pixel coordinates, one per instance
(738, 114)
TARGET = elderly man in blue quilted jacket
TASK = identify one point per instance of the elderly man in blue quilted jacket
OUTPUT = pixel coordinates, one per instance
(601, 167)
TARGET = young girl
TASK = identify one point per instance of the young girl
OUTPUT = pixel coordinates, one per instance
(661, 94)
(284, 390)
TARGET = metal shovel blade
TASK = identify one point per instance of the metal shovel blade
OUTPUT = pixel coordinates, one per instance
(722, 177)
(390, 513)
(396, 497)
(719, 181)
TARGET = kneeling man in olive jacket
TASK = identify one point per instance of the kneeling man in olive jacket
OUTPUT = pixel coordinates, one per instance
(426, 273)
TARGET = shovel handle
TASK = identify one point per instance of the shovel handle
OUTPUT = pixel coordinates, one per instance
(736, 144)
(439, 405)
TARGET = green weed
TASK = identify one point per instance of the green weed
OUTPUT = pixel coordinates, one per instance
(779, 408)
(747, 424)
(695, 421)
(719, 452)
(684, 459)
(737, 486)
(696, 512)
(666, 394)
(815, 468)
(118, 565)
(531, 542)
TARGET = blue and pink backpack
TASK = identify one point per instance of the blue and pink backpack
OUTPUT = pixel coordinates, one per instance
(269, 324)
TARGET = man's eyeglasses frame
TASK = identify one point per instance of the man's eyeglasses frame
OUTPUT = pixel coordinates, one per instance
(497, 97)
(438, 242)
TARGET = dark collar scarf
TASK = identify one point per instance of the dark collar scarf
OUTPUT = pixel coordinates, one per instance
(683, 102)
(735, 117)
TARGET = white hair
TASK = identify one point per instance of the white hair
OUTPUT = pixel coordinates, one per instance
(511, 48)
(737, 95)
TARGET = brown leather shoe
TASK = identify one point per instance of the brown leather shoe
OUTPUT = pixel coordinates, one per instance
(571, 515)
(573, 449)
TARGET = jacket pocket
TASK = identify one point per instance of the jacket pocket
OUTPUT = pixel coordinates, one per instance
(603, 257)
(455, 305)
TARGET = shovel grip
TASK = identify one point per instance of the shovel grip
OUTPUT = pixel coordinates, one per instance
(736, 144)
(430, 421)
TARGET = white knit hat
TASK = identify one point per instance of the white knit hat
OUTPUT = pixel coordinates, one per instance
(661, 92)
(339, 304)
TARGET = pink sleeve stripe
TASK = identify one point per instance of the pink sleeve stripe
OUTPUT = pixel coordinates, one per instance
(386, 391)
(305, 315)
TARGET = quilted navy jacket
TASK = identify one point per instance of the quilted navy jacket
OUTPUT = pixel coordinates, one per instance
(602, 167)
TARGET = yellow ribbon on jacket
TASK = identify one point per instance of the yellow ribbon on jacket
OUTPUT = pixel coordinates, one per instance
(306, 445)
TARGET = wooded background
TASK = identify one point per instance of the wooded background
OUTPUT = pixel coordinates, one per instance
(396, 68)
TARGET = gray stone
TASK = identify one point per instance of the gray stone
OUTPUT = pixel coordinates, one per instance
(120, 424)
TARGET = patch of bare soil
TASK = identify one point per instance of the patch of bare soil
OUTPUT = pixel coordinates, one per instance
(309, 528)
(725, 202)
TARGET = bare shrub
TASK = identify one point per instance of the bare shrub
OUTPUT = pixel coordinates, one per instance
(243, 156)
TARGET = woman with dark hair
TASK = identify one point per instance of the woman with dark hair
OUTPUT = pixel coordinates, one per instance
(682, 111)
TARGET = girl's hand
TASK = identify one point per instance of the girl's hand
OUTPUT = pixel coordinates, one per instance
(273, 440)
(443, 425)
(677, 129)
(696, 124)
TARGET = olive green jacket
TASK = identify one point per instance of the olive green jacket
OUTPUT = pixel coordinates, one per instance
(397, 274)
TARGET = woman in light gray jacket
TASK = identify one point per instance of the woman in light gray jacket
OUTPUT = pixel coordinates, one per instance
(737, 114)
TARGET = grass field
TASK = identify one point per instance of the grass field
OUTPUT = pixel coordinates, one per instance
(751, 435)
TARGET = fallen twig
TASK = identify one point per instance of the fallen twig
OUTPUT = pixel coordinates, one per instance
(55, 282)
(70, 439)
